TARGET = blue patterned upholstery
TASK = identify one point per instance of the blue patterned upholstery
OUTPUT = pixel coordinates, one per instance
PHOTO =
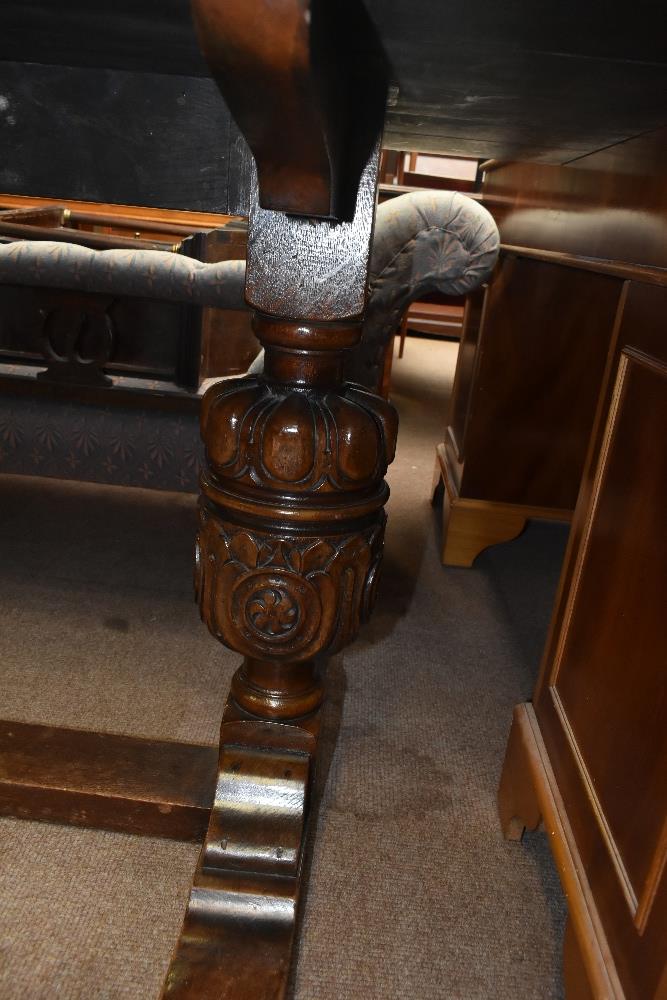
(94, 443)
(152, 274)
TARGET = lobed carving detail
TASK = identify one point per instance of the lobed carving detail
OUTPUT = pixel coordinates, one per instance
(303, 441)
(286, 597)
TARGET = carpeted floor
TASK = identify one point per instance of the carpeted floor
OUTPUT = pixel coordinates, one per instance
(413, 893)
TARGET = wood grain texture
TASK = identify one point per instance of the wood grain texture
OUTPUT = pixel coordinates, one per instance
(497, 80)
(138, 786)
(240, 921)
(644, 155)
(136, 213)
(531, 366)
(600, 701)
(469, 526)
(531, 405)
(466, 362)
(529, 790)
(291, 517)
(307, 91)
(589, 213)
(480, 80)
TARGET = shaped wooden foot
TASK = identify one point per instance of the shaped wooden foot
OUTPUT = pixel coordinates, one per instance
(518, 806)
(469, 526)
(239, 926)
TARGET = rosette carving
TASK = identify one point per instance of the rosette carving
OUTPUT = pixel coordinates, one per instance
(295, 440)
(284, 598)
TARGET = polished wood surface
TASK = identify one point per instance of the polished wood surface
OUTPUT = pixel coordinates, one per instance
(536, 383)
(240, 923)
(529, 794)
(533, 353)
(588, 213)
(139, 786)
(304, 151)
(601, 699)
(470, 526)
(112, 211)
(641, 156)
(524, 398)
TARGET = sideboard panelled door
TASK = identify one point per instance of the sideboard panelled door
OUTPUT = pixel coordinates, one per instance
(602, 699)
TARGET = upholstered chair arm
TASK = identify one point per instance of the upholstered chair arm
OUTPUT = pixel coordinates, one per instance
(424, 242)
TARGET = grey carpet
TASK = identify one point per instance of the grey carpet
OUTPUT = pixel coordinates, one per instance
(413, 893)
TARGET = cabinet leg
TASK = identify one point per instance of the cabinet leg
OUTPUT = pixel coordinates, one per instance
(438, 485)
(470, 526)
(518, 806)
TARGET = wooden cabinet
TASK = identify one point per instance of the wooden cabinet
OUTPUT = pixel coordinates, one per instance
(533, 356)
(590, 754)
(528, 376)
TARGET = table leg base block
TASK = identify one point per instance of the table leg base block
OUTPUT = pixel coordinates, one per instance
(101, 780)
(239, 927)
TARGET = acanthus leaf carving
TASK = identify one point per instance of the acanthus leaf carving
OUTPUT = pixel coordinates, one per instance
(286, 598)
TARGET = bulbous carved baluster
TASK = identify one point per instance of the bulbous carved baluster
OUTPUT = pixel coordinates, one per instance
(290, 540)
(292, 516)
(293, 491)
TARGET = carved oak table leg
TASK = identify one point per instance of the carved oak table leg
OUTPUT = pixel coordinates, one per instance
(291, 513)
(292, 519)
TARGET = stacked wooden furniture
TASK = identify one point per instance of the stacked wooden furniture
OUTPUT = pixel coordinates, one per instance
(129, 142)
(172, 176)
(401, 172)
(535, 345)
(292, 520)
(588, 757)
